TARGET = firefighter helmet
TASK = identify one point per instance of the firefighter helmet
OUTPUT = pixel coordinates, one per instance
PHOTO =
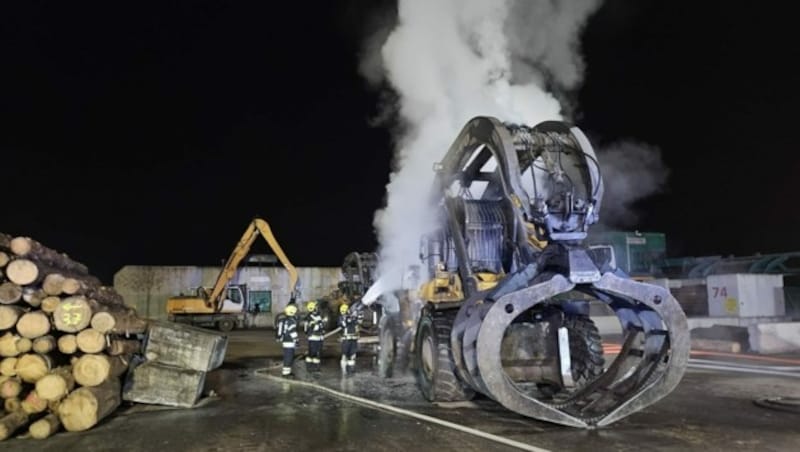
(343, 308)
(290, 309)
(311, 306)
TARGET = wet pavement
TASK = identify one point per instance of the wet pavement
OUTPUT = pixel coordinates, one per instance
(252, 409)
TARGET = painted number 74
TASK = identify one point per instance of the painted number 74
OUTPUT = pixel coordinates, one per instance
(719, 291)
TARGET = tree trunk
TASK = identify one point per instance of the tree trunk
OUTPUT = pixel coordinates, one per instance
(124, 347)
(11, 423)
(68, 344)
(5, 241)
(56, 385)
(83, 408)
(25, 246)
(76, 312)
(11, 345)
(107, 295)
(12, 404)
(22, 271)
(73, 314)
(93, 370)
(119, 321)
(53, 283)
(9, 315)
(8, 367)
(50, 304)
(10, 388)
(45, 427)
(24, 345)
(4, 258)
(91, 341)
(33, 403)
(33, 324)
(44, 344)
(10, 293)
(31, 367)
(91, 287)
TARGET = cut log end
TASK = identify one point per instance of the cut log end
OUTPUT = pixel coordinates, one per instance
(10, 293)
(56, 385)
(20, 246)
(10, 388)
(53, 284)
(9, 315)
(83, 408)
(12, 404)
(8, 367)
(45, 427)
(93, 370)
(12, 345)
(33, 403)
(33, 324)
(22, 271)
(72, 314)
(91, 341)
(103, 322)
(67, 344)
(44, 344)
(31, 367)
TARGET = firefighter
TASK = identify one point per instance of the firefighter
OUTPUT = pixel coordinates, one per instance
(286, 333)
(314, 329)
(348, 321)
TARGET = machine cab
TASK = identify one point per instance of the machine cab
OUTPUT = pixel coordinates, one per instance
(234, 299)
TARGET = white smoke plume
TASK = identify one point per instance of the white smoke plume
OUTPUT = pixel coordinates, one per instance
(448, 61)
(631, 171)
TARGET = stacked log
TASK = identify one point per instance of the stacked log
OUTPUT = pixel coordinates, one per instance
(66, 341)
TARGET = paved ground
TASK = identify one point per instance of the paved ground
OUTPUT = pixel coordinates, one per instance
(253, 410)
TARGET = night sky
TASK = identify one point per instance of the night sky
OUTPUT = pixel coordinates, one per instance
(151, 134)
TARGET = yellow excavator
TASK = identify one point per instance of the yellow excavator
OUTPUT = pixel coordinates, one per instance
(226, 305)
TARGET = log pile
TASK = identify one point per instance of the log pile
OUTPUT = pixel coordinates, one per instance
(66, 341)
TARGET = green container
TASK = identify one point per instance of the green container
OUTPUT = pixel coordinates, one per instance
(639, 254)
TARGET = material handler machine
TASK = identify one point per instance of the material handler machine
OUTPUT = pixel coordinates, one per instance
(505, 309)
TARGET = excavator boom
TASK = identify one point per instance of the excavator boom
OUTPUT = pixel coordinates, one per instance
(256, 227)
(211, 301)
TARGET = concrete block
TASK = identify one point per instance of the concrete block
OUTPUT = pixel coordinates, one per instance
(185, 346)
(716, 345)
(745, 295)
(160, 384)
(775, 337)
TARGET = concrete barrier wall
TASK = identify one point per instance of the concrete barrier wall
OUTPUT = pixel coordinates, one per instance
(147, 288)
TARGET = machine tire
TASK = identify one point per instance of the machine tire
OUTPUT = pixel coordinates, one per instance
(436, 372)
(387, 353)
(225, 325)
(586, 352)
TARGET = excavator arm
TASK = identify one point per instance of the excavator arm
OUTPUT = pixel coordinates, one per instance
(257, 227)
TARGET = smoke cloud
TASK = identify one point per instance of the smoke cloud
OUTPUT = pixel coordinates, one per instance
(448, 61)
(631, 171)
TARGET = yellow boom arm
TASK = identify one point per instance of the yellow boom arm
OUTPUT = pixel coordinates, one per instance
(256, 227)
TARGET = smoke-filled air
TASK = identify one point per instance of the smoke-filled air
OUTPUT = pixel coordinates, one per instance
(448, 61)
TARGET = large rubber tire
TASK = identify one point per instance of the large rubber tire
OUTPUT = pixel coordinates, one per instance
(226, 325)
(388, 351)
(436, 371)
(586, 352)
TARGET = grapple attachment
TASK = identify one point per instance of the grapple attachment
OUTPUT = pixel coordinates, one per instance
(516, 203)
